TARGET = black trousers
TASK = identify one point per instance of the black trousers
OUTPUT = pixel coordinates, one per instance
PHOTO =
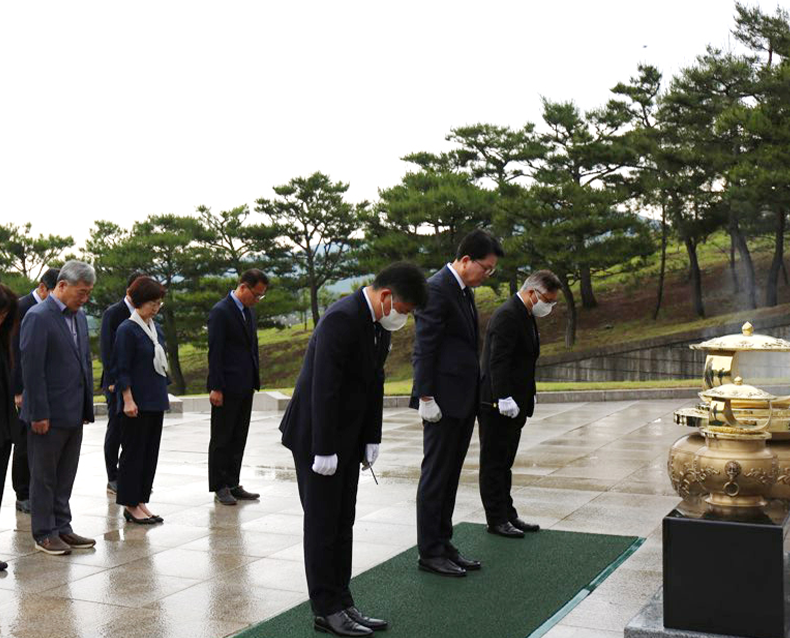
(444, 445)
(5, 454)
(140, 439)
(53, 458)
(329, 504)
(112, 437)
(229, 426)
(20, 469)
(499, 438)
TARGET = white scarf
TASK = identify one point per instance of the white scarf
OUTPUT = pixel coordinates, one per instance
(160, 358)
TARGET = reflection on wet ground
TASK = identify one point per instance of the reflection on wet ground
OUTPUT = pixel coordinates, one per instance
(211, 570)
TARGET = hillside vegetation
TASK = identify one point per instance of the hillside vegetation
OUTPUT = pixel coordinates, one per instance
(626, 301)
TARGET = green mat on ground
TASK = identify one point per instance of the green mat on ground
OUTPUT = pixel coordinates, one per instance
(522, 585)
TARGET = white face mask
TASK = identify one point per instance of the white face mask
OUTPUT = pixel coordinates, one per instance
(541, 308)
(393, 321)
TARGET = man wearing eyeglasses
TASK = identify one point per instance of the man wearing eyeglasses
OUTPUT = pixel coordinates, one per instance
(233, 377)
(445, 391)
(507, 395)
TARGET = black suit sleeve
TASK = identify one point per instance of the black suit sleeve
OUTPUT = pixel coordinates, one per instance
(503, 336)
(217, 329)
(430, 328)
(106, 340)
(334, 345)
(371, 432)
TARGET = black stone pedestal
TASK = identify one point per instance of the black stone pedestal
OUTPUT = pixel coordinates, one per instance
(725, 574)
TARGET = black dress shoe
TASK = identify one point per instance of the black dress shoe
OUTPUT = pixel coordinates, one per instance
(139, 521)
(506, 529)
(3, 565)
(442, 566)
(376, 624)
(468, 564)
(339, 624)
(243, 495)
(524, 526)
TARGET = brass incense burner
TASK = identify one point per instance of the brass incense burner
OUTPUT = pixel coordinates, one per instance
(740, 454)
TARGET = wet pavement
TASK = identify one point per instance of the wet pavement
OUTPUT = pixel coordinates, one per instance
(211, 570)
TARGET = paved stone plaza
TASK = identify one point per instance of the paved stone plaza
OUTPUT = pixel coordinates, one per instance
(211, 570)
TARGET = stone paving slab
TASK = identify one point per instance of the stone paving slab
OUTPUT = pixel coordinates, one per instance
(211, 570)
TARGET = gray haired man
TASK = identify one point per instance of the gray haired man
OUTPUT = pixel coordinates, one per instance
(507, 395)
(57, 402)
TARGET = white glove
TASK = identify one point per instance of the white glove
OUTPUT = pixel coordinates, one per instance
(371, 453)
(508, 407)
(429, 411)
(325, 465)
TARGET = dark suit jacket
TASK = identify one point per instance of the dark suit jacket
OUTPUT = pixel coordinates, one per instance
(337, 404)
(25, 304)
(9, 424)
(133, 367)
(110, 320)
(57, 373)
(511, 350)
(446, 357)
(233, 365)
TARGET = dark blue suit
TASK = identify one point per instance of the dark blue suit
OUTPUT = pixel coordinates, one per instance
(133, 368)
(111, 319)
(58, 381)
(233, 369)
(335, 409)
(446, 367)
(20, 472)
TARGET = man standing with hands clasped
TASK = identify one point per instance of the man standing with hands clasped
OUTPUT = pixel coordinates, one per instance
(507, 395)
(445, 390)
(233, 377)
(333, 423)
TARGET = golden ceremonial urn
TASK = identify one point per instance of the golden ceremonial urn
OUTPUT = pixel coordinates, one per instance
(741, 455)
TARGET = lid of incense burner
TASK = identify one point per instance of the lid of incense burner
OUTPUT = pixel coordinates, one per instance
(737, 391)
(747, 340)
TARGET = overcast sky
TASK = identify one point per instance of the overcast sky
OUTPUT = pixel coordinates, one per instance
(115, 110)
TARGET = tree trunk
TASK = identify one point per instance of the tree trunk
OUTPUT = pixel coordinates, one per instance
(513, 282)
(588, 298)
(745, 258)
(696, 277)
(736, 288)
(663, 269)
(570, 323)
(314, 303)
(776, 264)
(171, 338)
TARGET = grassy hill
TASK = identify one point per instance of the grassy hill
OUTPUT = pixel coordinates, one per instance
(626, 300)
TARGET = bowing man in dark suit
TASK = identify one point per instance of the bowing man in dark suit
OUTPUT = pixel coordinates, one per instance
(110, 320)
(333, 423)
(233, 377)
(507, 395)
(57, 402)
(20, 471)
(445, 390)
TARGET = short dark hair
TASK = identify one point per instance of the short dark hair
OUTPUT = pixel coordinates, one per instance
(478, 245)
(131, 279)
(50, 278)
(253, 277)
(406, 281)
(145, 289)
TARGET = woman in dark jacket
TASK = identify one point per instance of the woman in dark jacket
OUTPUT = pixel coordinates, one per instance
(140, 370)
(8, 419)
